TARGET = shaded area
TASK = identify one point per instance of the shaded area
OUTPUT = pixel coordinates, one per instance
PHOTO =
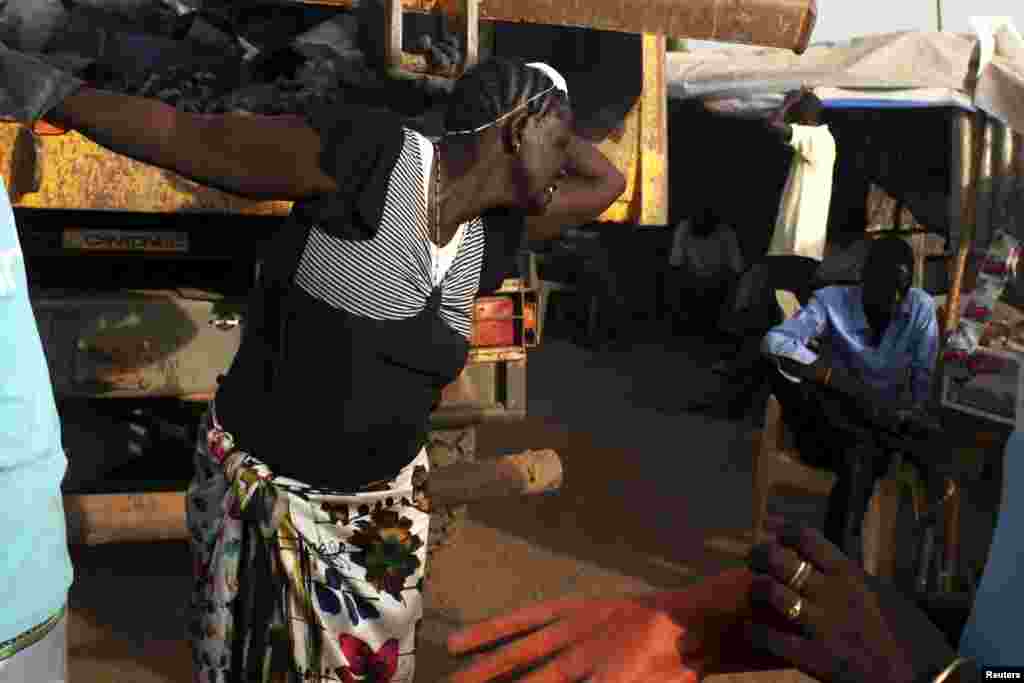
(654, 498)
(128, 613)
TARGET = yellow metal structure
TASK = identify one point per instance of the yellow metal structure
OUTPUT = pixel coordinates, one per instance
(68, 171)
(641, 152)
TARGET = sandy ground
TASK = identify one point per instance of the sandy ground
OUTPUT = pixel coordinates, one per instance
(654, 498)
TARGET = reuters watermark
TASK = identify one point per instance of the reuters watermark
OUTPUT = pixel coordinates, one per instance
(1003, 674)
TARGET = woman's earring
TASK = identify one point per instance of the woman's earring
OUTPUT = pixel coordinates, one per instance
(515, 147)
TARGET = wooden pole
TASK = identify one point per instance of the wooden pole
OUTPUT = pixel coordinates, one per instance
(143, 517)
(970, 148)
(1004, 176)
(985, 186)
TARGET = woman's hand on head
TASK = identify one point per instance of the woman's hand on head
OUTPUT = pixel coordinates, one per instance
(588, 184)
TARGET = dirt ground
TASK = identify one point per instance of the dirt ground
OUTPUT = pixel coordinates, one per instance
(653, 498)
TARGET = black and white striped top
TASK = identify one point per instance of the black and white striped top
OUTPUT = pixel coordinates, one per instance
(390, 277)
(376, 326)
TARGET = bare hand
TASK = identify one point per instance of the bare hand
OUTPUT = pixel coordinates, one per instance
(853, 629)
(606, 641)
(666, 637)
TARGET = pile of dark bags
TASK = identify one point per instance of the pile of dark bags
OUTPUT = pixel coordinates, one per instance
(218, 56)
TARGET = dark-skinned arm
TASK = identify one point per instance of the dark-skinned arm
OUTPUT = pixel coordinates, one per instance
(258, 157)
(787, 345)
(777, 122)
(591, 185)
(780, 128)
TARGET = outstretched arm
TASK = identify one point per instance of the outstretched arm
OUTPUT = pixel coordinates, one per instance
(589, 187)
(670, 637)
(788, 345)
(259, 157)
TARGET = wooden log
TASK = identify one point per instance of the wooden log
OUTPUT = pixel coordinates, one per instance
(951, 529)
(878, 533)
(140, 517)
(523, 474)
(125, 517)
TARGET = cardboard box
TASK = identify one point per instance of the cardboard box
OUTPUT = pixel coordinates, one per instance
(994, 392)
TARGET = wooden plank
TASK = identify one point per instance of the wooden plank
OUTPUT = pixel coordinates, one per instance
(95, 519)
(878, 533)
(523, 474)
(125, 518)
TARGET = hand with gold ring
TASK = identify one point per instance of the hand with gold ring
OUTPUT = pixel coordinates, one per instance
(794, 612)
(849, 627)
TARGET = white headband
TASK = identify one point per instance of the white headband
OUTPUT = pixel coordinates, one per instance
(552, 73)
(547, 70)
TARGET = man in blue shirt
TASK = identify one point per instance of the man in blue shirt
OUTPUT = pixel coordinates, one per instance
(881, 340)
(35, 569)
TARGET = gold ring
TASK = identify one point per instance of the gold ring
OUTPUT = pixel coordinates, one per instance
(800, 576)
(793, 613)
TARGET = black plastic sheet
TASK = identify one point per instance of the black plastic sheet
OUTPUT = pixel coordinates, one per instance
(31, 86)
(134, 9)
(216, 56)
(30, 25)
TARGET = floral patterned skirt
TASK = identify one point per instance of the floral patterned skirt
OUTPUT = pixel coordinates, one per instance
(294, 583)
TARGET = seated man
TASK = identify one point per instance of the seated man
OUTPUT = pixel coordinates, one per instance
(879, 334)
(753, 310)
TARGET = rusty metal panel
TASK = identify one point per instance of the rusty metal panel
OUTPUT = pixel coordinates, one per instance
(498, 354)
(477, 384)
(773, 23)
(134, 344)
(494, 321)
(68, 171)
(515, 385)
(653, 146)
(640, 151)
(624, 151)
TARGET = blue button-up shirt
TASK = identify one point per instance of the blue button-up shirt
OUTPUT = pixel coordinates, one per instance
(835, 315)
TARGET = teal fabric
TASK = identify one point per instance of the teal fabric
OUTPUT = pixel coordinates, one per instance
(992, 635)
(35, 569)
